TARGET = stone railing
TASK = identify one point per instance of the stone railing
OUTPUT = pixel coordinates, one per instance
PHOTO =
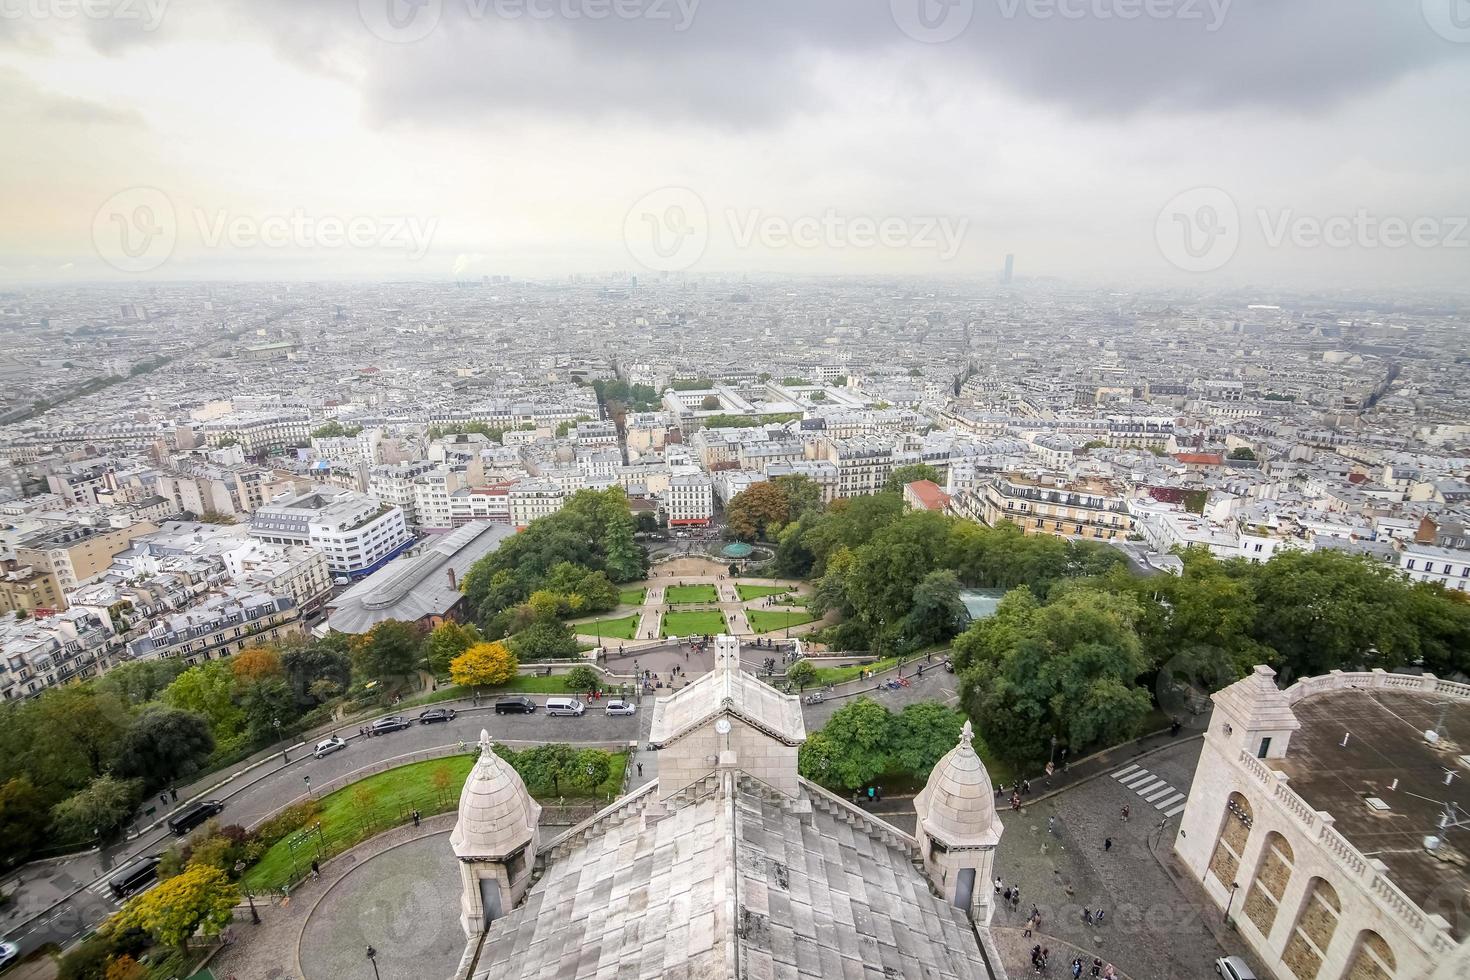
(630, 805)
(1376, 679)
(1430, 932)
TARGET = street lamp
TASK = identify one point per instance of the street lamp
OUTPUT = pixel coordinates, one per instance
(254, 915)
(1233, 886)
(372, 955)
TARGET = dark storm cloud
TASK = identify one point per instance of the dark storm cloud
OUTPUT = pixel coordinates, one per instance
(748, 62)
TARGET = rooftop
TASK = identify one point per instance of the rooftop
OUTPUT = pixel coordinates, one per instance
(1386, 744)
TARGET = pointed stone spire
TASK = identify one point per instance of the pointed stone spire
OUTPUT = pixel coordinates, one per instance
(1254, 714)
(958, 828)
(496, 814)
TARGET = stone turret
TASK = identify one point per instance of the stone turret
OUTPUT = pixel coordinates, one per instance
(958, 828)
(495, 840)
(1255, 715)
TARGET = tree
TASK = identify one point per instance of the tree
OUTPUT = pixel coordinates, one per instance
(709, 403)
(547, 639)
(853, 748)
(922, 733)
(624, 559)
(318, 671)
(902, 476)
(937, 612)
(141, 681)
(208, 690)
(447, 641)
(594, 766)
(100, 810)
(583, 678)
(265, 703)
(126, 968)
(801, 674)
(23, 817)
(546, 766)
(199, 900)
(803, 495)
(164, 744)
(755, 510)
(390, 649)
(484, 664)
(77, 729)
(1243, 452)
(255, 664)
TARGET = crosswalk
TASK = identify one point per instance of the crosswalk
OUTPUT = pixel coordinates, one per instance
(1152, 789)
(102, 891)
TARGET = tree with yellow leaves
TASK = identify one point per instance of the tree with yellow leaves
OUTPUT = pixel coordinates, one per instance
(256, 664)
(199, 899)
(484, 664)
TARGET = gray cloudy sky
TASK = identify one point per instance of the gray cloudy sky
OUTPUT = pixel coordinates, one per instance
(1213, 141)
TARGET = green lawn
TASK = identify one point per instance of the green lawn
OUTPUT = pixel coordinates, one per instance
(691, 593)
(693, 623)
(766, 621)
(836, 675)
(748, 592)
(632, 597)
(387, 799)
(611, 629)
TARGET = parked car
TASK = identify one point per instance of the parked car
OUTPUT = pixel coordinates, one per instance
(134, 877)
(327, 746)
(8, 952)
(1234, 968)
(514, 706)
(565, 706)
(436, 714)
(621, 707)
(392, 723)
(190, 817)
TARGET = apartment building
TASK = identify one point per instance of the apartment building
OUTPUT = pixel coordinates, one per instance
(257, 433)
(24, 589)
(1089, 509)
(821, 472)
(532, 498)
(221, 626)
(1449, 567)
(301, 573)
(76, 553)
(393, 484)
(689, 500)
(470, 504)
(37, 653)
(355, 532)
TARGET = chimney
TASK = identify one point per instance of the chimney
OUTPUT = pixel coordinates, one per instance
(453, 584)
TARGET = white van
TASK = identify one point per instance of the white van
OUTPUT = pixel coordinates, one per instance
(564, 706)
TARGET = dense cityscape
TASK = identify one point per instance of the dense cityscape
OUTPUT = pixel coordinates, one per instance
(734, 490)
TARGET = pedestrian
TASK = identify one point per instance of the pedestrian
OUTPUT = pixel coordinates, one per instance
(163, 798)
(1027, 933)
(1008, 896)
(173, 794)
(1076, 968)
(415, 816)
(998, 885)
(1126, 811)
(316, 870)
(1051, 826)
(1174, 726)
(1087, 915)
(1025, 787)
(1016, 897)
(1096, 967)
(1107, 845)
(1097, 917)
(640, 770)
(1045, 955)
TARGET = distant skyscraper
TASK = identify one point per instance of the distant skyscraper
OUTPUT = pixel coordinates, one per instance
(1010, 268)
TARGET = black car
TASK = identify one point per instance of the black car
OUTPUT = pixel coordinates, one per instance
(514, 706)
(187, 819)
(134, 876)
(436, 714)
(392, 723)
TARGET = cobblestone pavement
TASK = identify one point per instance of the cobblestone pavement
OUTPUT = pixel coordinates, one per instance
(1153, 927)
(269, 951)
(403, 902)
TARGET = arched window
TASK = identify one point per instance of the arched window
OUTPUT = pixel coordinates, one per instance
(1316, 924)
(1235, 830)
(1373, 959)
(1264, 898)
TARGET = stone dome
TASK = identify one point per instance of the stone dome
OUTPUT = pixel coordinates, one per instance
(957, 805)
(496, 814)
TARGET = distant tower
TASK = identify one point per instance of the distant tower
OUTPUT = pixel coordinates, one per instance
(958, 829)
(1005, 277)
(495, 840)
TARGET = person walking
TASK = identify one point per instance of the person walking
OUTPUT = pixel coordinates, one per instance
(1107, 845)
(1126, 811)
(1097, 917)
(1027, 933)
(999, 884)
(640, 770)
(1087, 915)
(416, 816)
(316, 870)
(1077, 968)
(1051, 826)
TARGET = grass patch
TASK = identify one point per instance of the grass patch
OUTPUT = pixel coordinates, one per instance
(693, 623)
(765, 621)
(632, 597)
(748, 592)
(691, 593)
(611, 629)
(387, 799)
(836, 675)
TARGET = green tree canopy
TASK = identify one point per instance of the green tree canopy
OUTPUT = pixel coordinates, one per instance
(164, 744)
(101, 809)
(853, 748)
(902, 476)
(447, 641)
(389, 650)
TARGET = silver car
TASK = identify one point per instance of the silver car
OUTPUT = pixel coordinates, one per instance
(1234, 968)
(327, 746)
(621, 707)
